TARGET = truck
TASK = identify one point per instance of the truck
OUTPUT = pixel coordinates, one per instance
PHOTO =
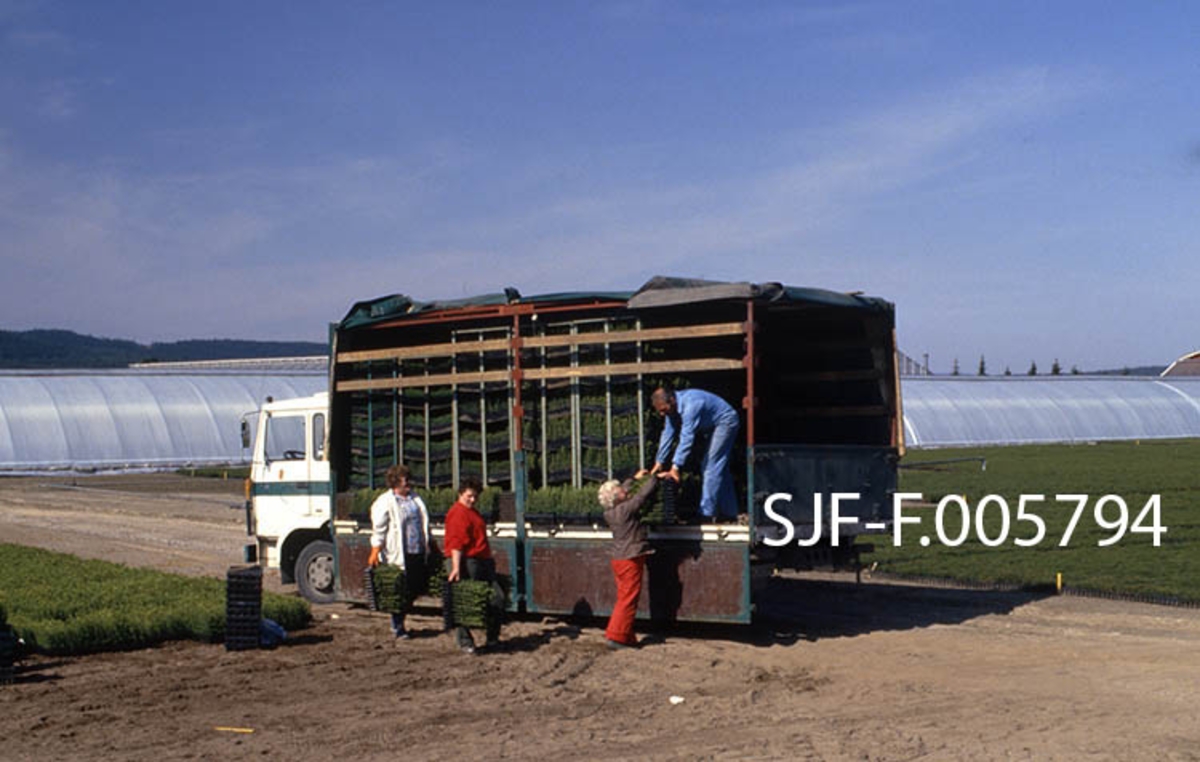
(288, 499)
(543, 398)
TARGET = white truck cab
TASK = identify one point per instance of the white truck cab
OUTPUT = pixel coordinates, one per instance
(288, 504)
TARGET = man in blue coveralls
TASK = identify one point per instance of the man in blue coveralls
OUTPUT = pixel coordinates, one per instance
(691, 413)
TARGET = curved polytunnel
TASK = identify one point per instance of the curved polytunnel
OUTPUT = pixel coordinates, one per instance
(133, 419)
(946, 412)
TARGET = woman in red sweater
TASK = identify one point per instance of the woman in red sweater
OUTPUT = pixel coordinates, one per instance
(470, 555)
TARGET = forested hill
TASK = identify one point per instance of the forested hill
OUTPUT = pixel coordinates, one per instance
(66, 349)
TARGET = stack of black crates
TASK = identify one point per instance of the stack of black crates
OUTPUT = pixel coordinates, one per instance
(670, 500)
(8, 653)
(243, 607)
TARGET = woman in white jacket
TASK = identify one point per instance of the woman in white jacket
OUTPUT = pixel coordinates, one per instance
(400, 536)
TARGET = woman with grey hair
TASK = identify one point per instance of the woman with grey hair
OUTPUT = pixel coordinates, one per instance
(608, 493)
(631, 546)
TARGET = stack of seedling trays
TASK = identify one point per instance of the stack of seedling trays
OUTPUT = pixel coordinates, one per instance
(673, 502)
(437, 577)
(243, 607)
(8, 649)
(465, 603)
(386, 589)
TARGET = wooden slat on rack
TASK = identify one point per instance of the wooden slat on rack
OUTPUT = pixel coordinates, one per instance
(646, 334)
(536, 342)
(408, 382)
(541, 374)
(632, 368)
(423, 351)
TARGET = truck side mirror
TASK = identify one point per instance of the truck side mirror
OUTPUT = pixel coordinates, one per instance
(245, 434)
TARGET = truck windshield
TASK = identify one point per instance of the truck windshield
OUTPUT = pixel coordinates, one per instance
(285, 438)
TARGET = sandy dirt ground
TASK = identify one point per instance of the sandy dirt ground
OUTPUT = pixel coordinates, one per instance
(833, 671)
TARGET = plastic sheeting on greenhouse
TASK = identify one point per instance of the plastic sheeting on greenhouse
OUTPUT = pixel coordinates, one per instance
(945, 412)
(133, 419)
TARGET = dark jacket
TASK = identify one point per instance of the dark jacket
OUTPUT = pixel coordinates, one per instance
(630, 537)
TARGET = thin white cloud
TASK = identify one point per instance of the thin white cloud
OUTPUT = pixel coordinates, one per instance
(56, 100)
(38, 39)
(733, 17)
(18, 9)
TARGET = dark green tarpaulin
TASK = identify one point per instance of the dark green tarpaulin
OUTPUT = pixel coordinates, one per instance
(659, 291)
(662, 291)
(399, 305)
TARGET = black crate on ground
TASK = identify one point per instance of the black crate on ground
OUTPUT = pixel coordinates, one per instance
(8, 655)
(447, 606)
(244, 579)
(243, 607)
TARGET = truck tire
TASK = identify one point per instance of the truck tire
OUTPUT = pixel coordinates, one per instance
(314, 572)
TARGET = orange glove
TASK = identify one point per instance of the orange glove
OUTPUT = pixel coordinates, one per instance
(374, 559)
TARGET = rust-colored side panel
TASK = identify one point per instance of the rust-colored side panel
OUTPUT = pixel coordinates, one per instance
(503, 552)
(689, 581)
(352, 552)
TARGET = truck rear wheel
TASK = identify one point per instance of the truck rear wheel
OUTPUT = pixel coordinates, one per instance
(314, 572)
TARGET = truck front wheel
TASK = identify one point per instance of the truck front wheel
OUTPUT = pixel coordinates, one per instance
(314, 572)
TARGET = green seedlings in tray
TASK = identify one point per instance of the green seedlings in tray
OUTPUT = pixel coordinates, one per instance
(387, 588)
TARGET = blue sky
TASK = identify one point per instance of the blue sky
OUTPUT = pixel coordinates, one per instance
(1021, 178)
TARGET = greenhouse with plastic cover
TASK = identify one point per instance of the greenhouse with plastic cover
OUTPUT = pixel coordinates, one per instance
(122, 419)
(949, 412)
(125, 419)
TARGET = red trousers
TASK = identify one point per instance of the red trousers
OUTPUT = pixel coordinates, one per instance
(628, 572)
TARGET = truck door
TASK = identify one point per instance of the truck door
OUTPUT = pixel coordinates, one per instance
(291, 471)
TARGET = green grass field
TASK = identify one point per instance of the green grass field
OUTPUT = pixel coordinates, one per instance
(62, 604)
(1132, 565)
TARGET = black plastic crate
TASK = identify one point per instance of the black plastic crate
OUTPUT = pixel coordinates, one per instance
(243, 607)
(8, 656)
(369, 584)
(670, 500)
(245, 574)
(245, 627)
(448, 606)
